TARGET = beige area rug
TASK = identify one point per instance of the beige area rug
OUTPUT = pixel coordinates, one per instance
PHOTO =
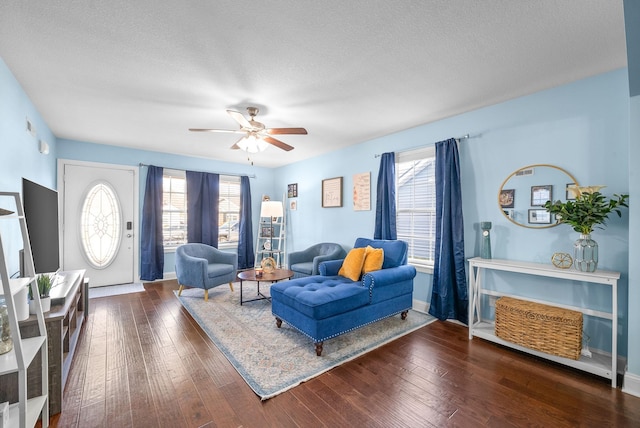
(114, 290)
(273, 360)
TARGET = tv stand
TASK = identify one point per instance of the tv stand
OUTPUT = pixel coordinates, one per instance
(69, 308)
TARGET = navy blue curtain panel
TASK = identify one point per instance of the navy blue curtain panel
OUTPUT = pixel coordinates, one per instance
(151, 247)
(385, 227)
(449, 298)
(203, 192)
(245, 234)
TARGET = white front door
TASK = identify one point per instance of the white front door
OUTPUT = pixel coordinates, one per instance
(99, 221)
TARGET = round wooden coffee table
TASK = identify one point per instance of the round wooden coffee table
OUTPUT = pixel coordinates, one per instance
(252, 275)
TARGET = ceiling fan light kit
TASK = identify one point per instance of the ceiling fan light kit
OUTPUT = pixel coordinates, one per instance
(252, 144)
(257, 137)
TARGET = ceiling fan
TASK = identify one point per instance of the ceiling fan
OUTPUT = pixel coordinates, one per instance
(257, 138)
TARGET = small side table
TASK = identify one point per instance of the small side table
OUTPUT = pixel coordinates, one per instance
(250, 275)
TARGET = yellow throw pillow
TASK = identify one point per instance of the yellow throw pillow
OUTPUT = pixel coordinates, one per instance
(352, 264)
(374, 257)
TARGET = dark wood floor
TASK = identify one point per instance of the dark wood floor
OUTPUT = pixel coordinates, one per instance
(143, 362)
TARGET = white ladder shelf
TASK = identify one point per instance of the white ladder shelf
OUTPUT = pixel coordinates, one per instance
(25, 412)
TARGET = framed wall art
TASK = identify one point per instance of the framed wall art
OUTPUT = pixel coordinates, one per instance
(362, 191)
(537, 216)
(332, 192)
(292, 190)
(507, 198)
(540, 195)
(570, 192)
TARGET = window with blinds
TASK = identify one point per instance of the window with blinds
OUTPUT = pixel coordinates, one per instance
(174, 208)
(416, 203)
(229, 211)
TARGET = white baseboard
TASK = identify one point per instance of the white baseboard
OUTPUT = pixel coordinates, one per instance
(420, 306)
(631, 384)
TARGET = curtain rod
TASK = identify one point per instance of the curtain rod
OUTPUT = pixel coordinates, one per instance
(221, 173)
(464, 137)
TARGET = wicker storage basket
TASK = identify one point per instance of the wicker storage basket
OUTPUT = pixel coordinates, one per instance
(541, 327)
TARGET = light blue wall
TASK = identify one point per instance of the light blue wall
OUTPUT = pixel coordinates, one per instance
(19, 154)
(582, 127)
(262, 184)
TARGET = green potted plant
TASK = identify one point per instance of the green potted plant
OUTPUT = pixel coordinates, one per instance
(44, 283)
(589, 209)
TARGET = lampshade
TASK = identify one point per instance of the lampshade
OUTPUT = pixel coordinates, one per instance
(271, 209)
(252, 144)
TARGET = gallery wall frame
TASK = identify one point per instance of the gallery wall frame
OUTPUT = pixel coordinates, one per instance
(541, 194)
(539, 216)
(292, 190)
(332, 192)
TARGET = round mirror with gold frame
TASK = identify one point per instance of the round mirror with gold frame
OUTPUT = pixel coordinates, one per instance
(522, 196)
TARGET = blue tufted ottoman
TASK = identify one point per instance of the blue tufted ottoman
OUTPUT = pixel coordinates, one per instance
(327, 305)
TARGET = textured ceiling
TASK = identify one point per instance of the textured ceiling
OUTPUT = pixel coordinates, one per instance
(140, 73)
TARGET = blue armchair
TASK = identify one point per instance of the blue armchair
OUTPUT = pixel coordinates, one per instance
(203, 266)
(306, 262)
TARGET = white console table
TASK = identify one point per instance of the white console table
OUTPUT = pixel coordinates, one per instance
(598, 364)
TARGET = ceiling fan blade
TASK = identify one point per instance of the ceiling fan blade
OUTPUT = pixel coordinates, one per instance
(238, 117)
(235, 145)
(280, 131)
(279, 144)
(229, 131)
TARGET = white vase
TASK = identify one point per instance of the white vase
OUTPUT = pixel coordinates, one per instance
(44, 301)
(21, 301)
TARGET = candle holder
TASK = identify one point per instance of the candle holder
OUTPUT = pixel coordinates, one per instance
(485, 249)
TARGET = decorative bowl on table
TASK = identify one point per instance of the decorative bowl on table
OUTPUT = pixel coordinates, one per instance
(268, 265)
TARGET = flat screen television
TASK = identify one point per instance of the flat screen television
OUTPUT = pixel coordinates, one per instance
(41, 215)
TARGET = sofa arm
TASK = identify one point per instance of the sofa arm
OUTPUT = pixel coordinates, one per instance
(384, 277)
(191, 270)
(330, 267)
(317, 260)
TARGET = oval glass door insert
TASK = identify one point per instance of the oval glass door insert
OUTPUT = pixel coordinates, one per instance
(100, 222)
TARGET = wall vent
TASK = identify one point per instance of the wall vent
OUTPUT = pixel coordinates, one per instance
(523, 172)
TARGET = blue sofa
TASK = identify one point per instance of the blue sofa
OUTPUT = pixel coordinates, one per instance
(328, 305)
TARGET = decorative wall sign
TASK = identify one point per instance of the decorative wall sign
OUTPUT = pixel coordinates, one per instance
(362, 191)
(332, 192)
